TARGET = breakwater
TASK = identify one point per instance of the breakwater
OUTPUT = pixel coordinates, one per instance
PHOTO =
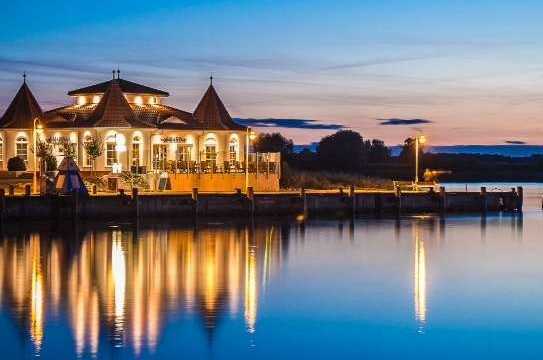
(198, 204)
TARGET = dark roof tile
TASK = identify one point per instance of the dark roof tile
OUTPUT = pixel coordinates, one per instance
(22, 111)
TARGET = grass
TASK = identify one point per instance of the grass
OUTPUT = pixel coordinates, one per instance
(296, 179)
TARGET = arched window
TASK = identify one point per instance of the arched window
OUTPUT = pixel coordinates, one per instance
(137, 143)
(86, 142)
(21, 147)
(111, 152)
(233, 148)
(211, 148)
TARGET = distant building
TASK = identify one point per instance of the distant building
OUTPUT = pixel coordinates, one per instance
(138, 130)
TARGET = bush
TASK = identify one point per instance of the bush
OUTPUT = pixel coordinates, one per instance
(50, 163)
(16, 164)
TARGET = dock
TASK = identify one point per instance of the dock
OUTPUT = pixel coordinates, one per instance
(309, 203)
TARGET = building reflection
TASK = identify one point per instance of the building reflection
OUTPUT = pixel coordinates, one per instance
(118, 285)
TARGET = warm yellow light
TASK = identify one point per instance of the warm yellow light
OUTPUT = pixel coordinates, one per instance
(252, 135)
(422, 139)
(138, 100)
(81, 100)
(152, 100)
(96, 99)
(39, 127)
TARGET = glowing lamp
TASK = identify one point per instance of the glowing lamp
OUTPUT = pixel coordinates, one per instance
(422, 139)
(116, 168)
(252, 136)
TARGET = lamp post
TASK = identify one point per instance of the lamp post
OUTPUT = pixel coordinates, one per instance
(249, 136)
(36, 126)
(419, 140)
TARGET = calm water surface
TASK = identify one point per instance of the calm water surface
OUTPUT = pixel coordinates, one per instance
(419, 287)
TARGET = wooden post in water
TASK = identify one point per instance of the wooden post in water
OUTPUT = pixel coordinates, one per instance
(484, 201)
(195, 201)
(443, 199)
(352, 195)
(2, 205)
(520, 198)
(251, 197)
(27, 190)
(398, 195)
(136, 200)
(303, 195)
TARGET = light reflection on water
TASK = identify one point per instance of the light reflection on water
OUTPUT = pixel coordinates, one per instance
(369, 287)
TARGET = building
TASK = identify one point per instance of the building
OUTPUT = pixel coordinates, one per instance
(139, 133)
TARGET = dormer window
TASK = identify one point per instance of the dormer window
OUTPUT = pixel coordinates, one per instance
(96, 99)
(81, 100)
(138, 100)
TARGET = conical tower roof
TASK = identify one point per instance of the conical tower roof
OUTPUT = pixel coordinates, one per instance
(212, 114)
(22, 111)
(113, 110)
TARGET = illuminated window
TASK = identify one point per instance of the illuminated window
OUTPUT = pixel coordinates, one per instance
(138, 100)
(81, 100)
(95, 99)
(233, 148)
(183, 152)
(160, 155)
(136, 150)
(88, 159)
(111, 152)
(152, 100)
(21, 147)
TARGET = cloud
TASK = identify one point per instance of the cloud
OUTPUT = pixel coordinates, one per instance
(394, 121)
(290, 124)
(515, 142)
(377, 61)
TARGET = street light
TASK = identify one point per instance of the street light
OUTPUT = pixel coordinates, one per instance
(419, 140)
(249, 136)
(36, 126)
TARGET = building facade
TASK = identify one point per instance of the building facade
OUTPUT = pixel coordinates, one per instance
(137, 130)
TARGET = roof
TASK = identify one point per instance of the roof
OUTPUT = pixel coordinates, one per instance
(212, 114)
(22, 111)
(126, 87)
(113, 110)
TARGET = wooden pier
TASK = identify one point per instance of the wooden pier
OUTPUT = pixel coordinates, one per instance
(310, 203)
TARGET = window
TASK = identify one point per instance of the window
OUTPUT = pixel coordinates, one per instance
(183, 152)
(211, 148)
(160, 154)
(136, 151)
(21, 148)
(233, 149)
(88, 159)
(111, 151)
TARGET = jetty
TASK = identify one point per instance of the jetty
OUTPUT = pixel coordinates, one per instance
(306, 203)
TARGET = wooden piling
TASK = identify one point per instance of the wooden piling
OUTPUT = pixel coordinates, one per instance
(28, 190)
(251, 197)
(398, 195)
(352, 195)
(520, 198)
(442, 199)
(195, 201)
(484, 200)
(303, 195)
(136, 201)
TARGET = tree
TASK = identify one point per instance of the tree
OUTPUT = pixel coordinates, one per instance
(342, 151)
(274, 143)
(16, 164)
(378, 152)
(67, 148)
(44, 151)
(94, 147)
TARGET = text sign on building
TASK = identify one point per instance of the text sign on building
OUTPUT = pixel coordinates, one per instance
(57, 140)
(173, 139)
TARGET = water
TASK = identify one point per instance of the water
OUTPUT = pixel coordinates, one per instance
(421, 287)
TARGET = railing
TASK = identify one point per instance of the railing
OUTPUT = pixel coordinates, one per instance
(260, 163)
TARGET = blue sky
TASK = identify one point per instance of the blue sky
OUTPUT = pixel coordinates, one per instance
(473, 69)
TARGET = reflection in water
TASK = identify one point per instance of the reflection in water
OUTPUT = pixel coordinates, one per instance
(117, 286)
(420, 279)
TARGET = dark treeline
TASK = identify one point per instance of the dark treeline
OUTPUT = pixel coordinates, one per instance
(348, 152)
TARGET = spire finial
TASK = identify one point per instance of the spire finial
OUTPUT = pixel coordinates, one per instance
(211, 79)
(113, 73)
(118, 73)
(24, 77)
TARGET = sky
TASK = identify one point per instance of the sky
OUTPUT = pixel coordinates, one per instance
(460, 71)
